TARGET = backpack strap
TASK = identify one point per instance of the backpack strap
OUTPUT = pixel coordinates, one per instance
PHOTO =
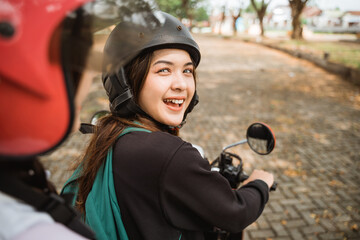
(70, 186)
(102, 209)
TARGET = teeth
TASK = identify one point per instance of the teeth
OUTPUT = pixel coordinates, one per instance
(175, 101)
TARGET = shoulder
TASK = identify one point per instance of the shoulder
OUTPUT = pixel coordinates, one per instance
(159, 146)
(13, 212)
(151, 150)
(154, 141)
(53, 231)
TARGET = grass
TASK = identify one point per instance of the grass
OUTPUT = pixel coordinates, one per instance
(346, 53)
(339, 51)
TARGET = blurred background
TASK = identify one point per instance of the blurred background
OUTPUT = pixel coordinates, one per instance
(291, 24)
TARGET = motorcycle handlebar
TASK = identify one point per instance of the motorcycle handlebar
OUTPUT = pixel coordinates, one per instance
(273, 187)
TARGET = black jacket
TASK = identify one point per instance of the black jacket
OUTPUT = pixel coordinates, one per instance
(165, 190)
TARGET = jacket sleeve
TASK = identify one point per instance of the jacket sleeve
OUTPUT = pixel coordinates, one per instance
(195, 198)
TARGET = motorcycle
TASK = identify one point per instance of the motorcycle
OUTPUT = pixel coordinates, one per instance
(260, 139)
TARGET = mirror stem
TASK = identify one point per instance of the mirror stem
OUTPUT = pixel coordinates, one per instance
(235, 144)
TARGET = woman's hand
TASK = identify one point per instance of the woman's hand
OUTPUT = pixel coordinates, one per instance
(267, 177)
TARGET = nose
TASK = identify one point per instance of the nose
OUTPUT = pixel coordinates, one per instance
(179, 82)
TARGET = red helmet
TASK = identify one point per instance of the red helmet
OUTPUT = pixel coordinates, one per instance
(44, 47)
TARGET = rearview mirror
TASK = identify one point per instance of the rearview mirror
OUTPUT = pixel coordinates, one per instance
(87, 128)
(260, 138)
(95, 118)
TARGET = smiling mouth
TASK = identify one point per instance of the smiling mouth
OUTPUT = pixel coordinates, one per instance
(174, 102)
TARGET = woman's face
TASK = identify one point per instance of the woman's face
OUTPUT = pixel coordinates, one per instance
(169, 86)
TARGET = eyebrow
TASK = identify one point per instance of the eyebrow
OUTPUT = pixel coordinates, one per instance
(171, 63)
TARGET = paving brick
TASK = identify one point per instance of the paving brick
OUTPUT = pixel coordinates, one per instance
(312, 237)
(279, 229)
(295, 234)
(342, 218)
(342, 226)
(276, 207)
(296, 223)
(246, 236)
(337, 208)
(319, 203)
(288, 193)
(307, 216)
(262, 223)
(279, 238)
(264, 234)
(276, 217)
(327, 224)
(305, 206)
(314, 229)
(331, 236)
(291, 201)
(291, 212)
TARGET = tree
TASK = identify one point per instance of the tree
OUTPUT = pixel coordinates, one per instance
(201, 14)
(260, 9)
(189, 9)
(222, 17)
(296, 8)
(173, 7)
(236, 10)
(180, 8)
(235, 18)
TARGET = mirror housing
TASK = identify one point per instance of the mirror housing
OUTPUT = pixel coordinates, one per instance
(86, 128)
(95, 118)
(260, 138)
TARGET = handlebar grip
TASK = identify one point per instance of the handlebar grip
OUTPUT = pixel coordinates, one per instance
(243, 177)
(273, 187)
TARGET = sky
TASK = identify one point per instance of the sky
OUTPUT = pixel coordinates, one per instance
(345, 5)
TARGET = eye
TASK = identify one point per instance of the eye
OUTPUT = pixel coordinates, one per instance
(163, 70)
(189, 70)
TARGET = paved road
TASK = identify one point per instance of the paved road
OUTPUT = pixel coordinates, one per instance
(315, 116)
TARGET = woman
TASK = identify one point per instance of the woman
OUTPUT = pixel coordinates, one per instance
(161, 185)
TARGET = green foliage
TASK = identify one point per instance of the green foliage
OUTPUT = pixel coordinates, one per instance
(183, 8)
(201, 14)
(173, 7)
(258, 3)
(250, 9)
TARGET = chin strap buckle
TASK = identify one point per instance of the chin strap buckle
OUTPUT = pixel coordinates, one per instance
(178, 126)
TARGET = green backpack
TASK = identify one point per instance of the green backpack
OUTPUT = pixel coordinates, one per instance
(102, 209)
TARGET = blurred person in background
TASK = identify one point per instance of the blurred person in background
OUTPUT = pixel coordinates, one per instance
(46, 68)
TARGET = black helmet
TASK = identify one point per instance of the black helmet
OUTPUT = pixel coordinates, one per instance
(173, 34)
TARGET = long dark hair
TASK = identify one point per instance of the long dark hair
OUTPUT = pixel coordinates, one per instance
(111, 126)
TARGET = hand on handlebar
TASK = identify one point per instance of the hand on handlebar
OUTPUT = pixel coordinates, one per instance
(267, 177)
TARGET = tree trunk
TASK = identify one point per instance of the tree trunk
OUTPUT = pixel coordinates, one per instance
(297, 29)
(261, 26)
(235, 18)
(261, 11)
(297, 7)
(222, 19)
(234, 27)
(188, 15)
